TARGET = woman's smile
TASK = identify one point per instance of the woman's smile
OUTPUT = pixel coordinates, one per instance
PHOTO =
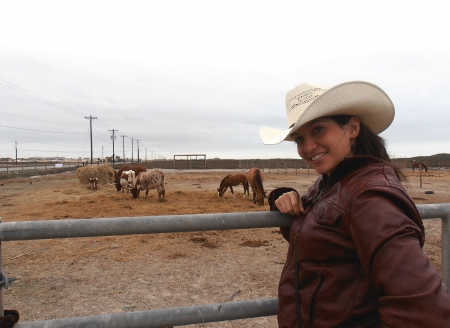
(319, 156)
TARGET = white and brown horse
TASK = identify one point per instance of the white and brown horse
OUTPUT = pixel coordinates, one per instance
(232, 180)
(255, 179)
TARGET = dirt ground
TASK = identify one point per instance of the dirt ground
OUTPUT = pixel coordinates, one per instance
(90, 276)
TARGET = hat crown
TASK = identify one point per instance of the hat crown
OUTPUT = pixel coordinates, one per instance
(307, 102)
(299, 98)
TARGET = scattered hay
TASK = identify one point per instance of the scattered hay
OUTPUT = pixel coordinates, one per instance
(105, 173)
(198, 240)
(254, 243)
(177, 255)
(203, 242)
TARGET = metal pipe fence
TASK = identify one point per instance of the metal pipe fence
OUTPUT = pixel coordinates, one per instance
(27, 169)
(166, 317)
(52, 229)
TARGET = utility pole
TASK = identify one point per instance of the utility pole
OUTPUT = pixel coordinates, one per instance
(132, 158)
(90, 121)
(15, 146)
(123, 140)
(113, 137)
(137, 141)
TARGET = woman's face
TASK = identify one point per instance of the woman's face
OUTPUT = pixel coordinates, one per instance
(324, 144)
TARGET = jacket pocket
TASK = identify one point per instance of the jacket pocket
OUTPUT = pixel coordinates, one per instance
(326, 214)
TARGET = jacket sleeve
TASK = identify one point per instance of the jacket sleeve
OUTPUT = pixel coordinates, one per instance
(386, 228)
(273, 196)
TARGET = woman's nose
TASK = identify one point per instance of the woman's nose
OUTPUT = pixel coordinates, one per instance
(308, 144)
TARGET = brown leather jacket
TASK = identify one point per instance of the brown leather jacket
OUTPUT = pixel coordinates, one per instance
(358, 247)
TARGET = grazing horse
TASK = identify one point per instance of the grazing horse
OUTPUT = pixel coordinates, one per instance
(255, 180)
(233, 180)
(416, 165)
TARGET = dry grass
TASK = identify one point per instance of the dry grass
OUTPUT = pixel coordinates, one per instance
(91, 276)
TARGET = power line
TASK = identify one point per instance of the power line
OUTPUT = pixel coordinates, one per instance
(38, 98)
(34, 96)
(51, 151)
(107, 141)
(21, 91)
(14, 127)
(33, 119)
(104, 124)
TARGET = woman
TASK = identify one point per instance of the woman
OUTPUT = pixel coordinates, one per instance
(355, 254)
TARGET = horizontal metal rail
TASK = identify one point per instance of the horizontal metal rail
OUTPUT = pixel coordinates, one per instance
(29, 230)
(166, 317)
(51, 229)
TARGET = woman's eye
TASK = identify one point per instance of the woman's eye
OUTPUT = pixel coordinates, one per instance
(298, 140)
(318, 129)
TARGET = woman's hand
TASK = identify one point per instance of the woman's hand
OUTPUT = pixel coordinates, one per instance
(290, 203)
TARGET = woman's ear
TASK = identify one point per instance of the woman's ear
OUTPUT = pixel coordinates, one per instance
(354, 127)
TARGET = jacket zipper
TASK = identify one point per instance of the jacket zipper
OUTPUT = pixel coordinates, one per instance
(293, 254)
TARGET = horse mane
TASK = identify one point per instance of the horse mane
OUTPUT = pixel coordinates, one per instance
(222, 183)
(223, 180)
(259, 179)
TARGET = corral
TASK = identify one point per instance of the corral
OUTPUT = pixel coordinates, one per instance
(85, 276)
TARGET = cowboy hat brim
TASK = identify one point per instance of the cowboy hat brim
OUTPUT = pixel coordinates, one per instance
(361, 99)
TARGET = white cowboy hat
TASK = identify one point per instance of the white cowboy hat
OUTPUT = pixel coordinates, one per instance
(307, 102)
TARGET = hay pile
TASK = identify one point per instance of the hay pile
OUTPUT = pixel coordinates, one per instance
(104, 173)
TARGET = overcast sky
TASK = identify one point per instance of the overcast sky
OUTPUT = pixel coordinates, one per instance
(201, 77)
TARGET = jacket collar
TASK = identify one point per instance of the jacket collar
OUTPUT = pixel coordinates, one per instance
(349, 165)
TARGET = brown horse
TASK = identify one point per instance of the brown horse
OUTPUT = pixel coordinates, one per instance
(416, 165)
(255, 179)
(233, 180)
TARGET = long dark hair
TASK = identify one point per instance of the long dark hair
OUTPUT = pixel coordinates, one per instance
(368, 143)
